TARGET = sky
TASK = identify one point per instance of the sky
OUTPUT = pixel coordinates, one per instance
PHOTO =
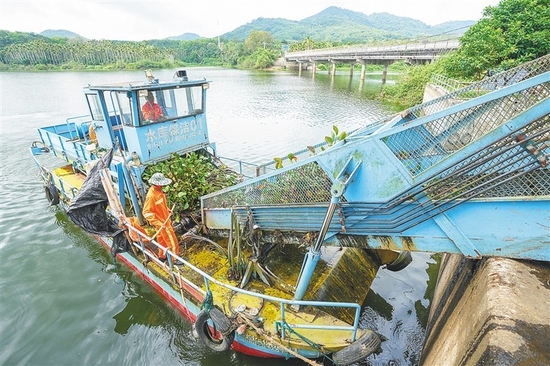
(158, 19)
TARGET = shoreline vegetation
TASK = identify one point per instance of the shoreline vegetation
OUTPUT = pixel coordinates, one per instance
(73, 66)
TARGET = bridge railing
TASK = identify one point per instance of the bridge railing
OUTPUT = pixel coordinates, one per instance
(445, 45)
(450, 85)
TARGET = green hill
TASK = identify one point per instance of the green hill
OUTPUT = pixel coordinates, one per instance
(336, 24)
(185, 37)
(60, 33)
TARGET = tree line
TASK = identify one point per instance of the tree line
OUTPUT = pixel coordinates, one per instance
(260, 50)
(19, 50)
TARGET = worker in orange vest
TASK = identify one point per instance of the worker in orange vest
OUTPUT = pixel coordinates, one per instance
(156, 212)
(151, 111)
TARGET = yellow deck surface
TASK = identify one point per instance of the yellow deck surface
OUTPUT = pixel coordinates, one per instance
(69, 181)
(286, 265)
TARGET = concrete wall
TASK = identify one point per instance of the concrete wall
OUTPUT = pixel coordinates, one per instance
(432, 91)
(493, 311)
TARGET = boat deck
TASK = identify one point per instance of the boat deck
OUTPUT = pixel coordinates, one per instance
(285, 264)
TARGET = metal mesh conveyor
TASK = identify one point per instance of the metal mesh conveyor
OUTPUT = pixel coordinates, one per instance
(485, 143)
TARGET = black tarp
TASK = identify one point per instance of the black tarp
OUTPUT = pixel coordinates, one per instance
(88, 209)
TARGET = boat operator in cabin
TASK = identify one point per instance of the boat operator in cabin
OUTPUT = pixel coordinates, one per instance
(156, 212)
(151, 111)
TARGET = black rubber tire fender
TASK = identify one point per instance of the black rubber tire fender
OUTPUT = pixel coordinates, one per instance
(52, 194)
(221, 321)
(403, 260)
(363, 347)
(206, 335)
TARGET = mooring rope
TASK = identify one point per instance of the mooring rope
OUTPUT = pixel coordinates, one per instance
(208, 302)
(317, 346)
(276, 343)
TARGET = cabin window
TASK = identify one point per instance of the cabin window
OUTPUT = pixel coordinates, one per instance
(122, 105)
(95, 107)
(169, 104)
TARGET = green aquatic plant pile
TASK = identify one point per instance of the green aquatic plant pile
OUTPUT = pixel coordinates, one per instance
(193, 175)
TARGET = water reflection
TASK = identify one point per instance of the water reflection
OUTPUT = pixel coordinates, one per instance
(138, 310)
(352, 82)
(397, 308)
(380, 306)
(94, 250)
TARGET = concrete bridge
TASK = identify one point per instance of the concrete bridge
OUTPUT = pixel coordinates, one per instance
(411, 53)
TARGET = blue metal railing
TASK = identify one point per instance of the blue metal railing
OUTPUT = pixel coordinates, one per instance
(282, 302)
(65, 139)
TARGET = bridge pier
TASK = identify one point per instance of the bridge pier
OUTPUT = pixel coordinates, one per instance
(385, 73)
(313, 67)
(363, 69)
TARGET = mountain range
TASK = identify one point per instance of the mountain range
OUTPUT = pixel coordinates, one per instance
(333, 24)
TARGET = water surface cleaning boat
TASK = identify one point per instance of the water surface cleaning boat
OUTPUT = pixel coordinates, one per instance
(280, 263)
(237, 285)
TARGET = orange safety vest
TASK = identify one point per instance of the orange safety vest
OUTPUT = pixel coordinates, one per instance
(91, 132)
(156, 212)
(151, 112)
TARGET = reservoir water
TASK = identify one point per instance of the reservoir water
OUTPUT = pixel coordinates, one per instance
(64, 302)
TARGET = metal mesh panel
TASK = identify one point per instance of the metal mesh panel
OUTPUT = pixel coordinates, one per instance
(515, 166)
(422, 146)
(505, 168)
(304, 184)
(529, 179)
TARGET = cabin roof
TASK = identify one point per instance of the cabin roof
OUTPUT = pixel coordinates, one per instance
(140, 85)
